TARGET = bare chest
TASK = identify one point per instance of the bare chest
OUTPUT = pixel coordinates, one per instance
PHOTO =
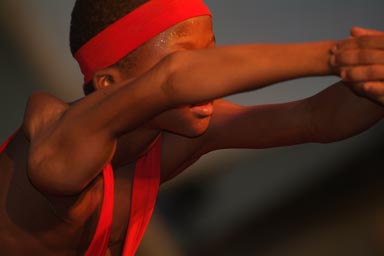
(27, 216)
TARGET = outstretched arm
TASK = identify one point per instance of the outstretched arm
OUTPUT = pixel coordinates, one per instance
(214, 73)
(331, 115)
(70, 146)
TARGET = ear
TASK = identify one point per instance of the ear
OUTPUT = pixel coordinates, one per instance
(105, 77)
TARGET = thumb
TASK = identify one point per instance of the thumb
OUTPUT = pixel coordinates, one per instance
(358, 31)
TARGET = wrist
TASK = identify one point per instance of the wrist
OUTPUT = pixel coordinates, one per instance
(323, 53)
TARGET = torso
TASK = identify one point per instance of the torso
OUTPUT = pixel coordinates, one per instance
(27, 215)
(32, 223)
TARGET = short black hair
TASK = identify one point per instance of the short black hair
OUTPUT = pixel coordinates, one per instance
(90, 17)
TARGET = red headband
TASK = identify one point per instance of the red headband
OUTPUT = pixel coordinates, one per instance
(133, 30)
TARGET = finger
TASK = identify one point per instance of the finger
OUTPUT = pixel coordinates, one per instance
(359, 31)
(357, 57)
(373, 90)
(357, 88)
(362, 73)
(364, 42)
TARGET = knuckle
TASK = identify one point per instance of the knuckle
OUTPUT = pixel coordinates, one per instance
(372, 72)
(343, 58)
(352, 74)
(367, 87)
(338, 58)
(351, 57)
(362, 57)
(379, 57)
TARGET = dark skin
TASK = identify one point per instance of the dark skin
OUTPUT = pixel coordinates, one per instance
(50, 183)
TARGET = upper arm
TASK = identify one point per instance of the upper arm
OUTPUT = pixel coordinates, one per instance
(52, 152)
(70, 144)
(42, 115)
(262, 126)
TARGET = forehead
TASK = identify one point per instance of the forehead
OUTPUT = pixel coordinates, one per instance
(192, 26)
(194, 33)
(197, 32)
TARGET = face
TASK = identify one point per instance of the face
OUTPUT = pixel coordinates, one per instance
(192, 34)
(195, 33)
(192, 120)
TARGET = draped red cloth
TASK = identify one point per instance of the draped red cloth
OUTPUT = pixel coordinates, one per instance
(145, 188)
(5, 144)
(100, 241)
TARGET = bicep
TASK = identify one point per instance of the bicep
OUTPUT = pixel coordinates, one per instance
(63, 158)
(263, 126)
(70, 148)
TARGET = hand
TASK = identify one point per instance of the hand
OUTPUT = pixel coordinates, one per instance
(360, 63)
(360, 58)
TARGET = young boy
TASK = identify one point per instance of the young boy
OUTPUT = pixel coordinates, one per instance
(87, 173)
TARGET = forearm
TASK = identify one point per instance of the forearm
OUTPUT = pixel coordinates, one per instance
(213, 73)
(337, 113)
(196, 76)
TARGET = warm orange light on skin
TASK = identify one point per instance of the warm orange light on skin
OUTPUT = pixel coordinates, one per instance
(188, 121)
(194, 33)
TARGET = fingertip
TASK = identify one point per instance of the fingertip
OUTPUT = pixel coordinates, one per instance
(357, 31)
(343, 74)
(374, 87)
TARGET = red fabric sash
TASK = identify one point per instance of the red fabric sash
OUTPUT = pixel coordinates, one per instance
(133, 30)
(5, 144)
(144, 193)
(99, 244)
(100, 241)
(145, 188)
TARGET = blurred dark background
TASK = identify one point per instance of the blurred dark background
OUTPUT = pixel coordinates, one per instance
(303, 200)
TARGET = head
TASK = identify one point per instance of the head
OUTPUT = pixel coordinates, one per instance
(90, 17)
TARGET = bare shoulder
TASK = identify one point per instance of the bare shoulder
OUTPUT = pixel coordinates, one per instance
(42, 109)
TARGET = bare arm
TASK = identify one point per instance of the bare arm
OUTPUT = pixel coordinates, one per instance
(261, 126)
(331, 115)
(213, 73)
(337, 113)
(68, 151)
